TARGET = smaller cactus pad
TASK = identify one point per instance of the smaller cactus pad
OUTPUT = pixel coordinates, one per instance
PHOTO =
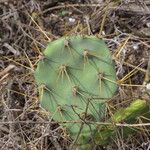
(76, 77)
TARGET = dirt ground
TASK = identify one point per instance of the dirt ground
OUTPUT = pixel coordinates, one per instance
(26, 26)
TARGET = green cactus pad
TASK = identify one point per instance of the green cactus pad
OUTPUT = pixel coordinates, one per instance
(76, 77)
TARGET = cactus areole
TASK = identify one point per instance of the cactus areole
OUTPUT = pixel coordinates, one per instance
(76, 76)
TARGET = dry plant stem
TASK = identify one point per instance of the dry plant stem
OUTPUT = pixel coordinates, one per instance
(88, 25)
(75, 140)
(30, 62)
(23, 94)
(103, 21)
(132, 72)
(147, 77)
(122, 47)
(111, 4)
(18, 63)
(97, 123)
(15, 52)
(132, 66)
(39, 28)
(71, 5)
(6, 70)
(5, 76)
(32, 38)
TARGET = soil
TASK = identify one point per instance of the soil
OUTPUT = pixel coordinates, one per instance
(26, 27)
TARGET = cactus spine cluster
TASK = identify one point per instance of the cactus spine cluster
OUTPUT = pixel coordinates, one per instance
(77, 76)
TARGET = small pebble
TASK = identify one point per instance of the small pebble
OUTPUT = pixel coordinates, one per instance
(72, 20)
(103, 33)
(148, 86)
(135, 47)
(148, 24)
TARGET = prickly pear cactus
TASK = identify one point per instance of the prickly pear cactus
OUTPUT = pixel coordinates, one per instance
(76, 77)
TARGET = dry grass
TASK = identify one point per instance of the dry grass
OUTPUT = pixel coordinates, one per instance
(27, 26)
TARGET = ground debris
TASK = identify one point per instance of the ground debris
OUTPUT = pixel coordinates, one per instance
(124, 25)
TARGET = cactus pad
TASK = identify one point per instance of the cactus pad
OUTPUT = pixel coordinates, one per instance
(76, 77)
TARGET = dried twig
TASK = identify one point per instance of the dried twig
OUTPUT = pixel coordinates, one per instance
(7, 69)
